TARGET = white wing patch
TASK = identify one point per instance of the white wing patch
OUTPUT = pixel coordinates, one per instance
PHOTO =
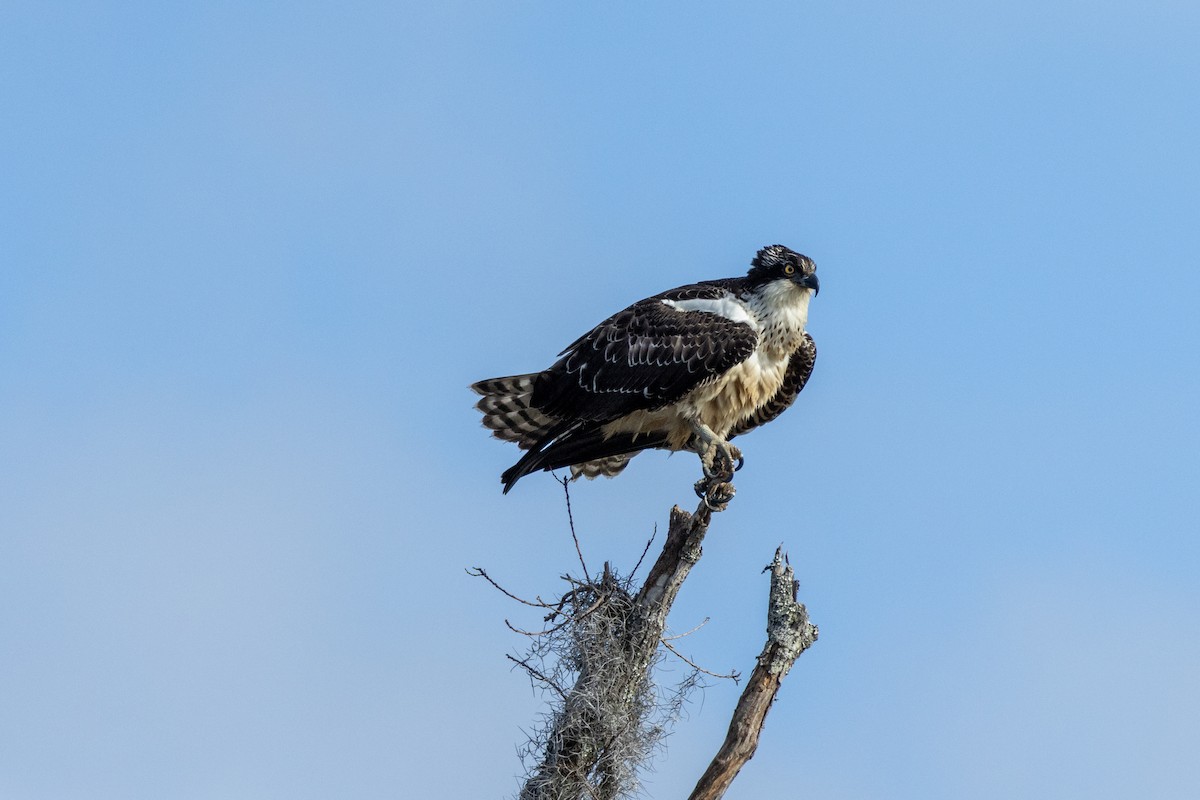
(728, 307)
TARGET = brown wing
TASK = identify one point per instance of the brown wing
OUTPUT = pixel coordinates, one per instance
(800, 366)
(645, 357)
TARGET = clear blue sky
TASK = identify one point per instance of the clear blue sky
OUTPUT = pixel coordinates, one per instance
(251, 255)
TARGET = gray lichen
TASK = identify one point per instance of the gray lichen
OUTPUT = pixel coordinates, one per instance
(789, 632)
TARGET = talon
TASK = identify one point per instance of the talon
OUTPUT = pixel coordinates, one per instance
(718, 496)
(718, 458)
(735, 454)
(725, 458)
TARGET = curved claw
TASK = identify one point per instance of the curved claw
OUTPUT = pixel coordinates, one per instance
(741, 463)
(718, 496)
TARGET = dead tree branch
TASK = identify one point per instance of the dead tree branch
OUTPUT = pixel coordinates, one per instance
(597, 740)
(566, 484)
(789, 633)
(734, 676)
(599, 653)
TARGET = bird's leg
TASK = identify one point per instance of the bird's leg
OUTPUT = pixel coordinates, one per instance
(733, 457)
(720, 460)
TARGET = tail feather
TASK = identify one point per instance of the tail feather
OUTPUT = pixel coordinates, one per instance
(609, 467)
(583, 449)
(553, 443)
(508, 411)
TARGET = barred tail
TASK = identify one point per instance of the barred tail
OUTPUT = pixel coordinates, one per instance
(609, 467)
(508, 413)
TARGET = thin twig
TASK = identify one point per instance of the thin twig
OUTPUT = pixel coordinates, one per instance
(571, 519)
(733, 676)
(685, 633)
(645, 550)
(567, 621)
(524, 632)
(480, 572)
(569, 597)
(534, 673)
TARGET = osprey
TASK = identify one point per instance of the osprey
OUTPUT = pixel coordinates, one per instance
(687, 369)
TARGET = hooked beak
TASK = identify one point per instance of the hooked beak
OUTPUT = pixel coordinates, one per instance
(810, 282)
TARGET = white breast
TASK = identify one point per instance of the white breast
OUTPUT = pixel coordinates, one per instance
(778, 315)
(741, 391)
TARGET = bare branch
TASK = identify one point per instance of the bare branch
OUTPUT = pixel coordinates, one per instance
(571, 521)
(604, 731)
(733, 676)
(645, 550)
(600, 658)
(789, 633)
(534, 673)
(569, 619)
(480, 572)
(685, 633)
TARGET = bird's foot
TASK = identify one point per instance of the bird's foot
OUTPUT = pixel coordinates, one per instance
(720, 460)
(716, 494)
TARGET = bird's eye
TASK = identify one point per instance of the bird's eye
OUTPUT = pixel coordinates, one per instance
(789, 270)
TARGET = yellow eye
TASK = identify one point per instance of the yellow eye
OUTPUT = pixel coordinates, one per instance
(789, 270)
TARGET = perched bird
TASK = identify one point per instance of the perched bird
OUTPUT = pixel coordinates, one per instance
(687, 369)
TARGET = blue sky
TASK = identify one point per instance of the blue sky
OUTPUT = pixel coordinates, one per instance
(252, 255)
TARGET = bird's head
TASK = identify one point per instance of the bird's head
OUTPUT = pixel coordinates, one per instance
(776, 262)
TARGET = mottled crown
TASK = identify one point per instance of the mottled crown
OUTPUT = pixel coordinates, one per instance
(769, 263)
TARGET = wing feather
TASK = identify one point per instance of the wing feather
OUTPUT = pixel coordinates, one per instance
(645, 357)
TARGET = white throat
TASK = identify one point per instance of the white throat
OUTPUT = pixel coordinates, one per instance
(781, 308)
